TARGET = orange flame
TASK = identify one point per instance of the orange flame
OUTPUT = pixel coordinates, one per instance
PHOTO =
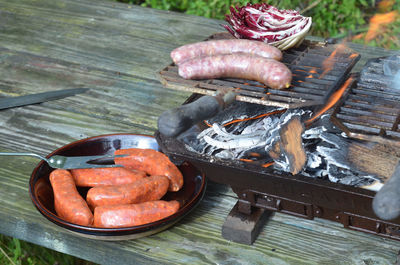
(379, 29)
(377, 22)
(331, 101)
(354, 55)
(329, 62)
(251, 118)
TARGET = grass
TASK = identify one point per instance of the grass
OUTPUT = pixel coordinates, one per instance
(17, 252)
(335, 19)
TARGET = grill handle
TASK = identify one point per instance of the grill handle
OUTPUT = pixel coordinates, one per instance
(175, 121)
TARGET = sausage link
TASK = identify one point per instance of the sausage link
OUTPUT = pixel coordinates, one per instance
(133, 214)
(152, 162)
(68, 203)
(218, 47)
(90, 177)
(270, 72)
(147, 189)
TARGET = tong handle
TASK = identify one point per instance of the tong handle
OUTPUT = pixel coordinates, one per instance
(54, 161)
(72, 162)
(25, 154)
(175, 121)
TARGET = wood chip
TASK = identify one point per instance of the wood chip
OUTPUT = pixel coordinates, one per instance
(376, 159)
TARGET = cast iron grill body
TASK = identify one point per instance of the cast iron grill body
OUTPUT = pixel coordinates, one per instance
(278, 191)
(298, 195)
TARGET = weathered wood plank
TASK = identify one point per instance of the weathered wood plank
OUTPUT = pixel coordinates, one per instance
(285, 240)
(117, 50)
(114, 38)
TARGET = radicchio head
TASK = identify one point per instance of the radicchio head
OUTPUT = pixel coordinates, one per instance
(264, 22)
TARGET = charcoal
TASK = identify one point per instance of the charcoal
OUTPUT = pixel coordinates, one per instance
(326, 146)
(240, 110)
(286, 138)
(348, 177)
(225, 154)
(190, 140)
(314, 160)
(335, 156)
(260, 151)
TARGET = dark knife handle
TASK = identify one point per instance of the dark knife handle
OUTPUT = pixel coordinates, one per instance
(386, 203)
(173, 122)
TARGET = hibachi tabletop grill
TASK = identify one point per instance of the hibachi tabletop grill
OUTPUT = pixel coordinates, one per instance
(318, 71)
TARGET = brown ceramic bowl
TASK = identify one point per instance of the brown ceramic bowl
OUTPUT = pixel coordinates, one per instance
(42, 194)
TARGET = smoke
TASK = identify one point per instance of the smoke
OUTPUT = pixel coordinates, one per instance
(396, 80)
(391, 69)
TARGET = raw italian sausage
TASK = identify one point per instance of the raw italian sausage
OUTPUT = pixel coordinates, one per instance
(133, 214)
(68, 203)
(152, 162)
(90, 177)
(270, 72)
(147, 189)
(218, 47)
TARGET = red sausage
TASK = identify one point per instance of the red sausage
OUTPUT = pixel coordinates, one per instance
(270, 72)
(152, 162)
(68, 203)
(218, 47)
(90, 177)
(133, 214)
(147, 189)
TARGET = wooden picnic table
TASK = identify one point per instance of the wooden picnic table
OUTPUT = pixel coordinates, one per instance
(117, 50)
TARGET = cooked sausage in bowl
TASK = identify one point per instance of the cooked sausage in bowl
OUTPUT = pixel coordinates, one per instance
(47, 187)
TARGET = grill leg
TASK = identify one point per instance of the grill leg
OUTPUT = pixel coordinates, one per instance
(244, 228)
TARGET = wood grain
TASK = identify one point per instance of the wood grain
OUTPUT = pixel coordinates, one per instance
(117, 50)
(292, 145)
(375, 159)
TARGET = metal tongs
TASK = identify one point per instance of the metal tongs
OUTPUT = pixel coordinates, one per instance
(73, 162)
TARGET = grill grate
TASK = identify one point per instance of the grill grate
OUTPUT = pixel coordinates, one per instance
(371, 108)
(316, 74)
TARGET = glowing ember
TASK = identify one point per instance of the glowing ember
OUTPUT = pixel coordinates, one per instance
(250, 118)
(312, 71)
(268, 164)
(246, 160)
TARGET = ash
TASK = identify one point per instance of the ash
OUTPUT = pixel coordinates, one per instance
(235, 134)
(327, 151)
